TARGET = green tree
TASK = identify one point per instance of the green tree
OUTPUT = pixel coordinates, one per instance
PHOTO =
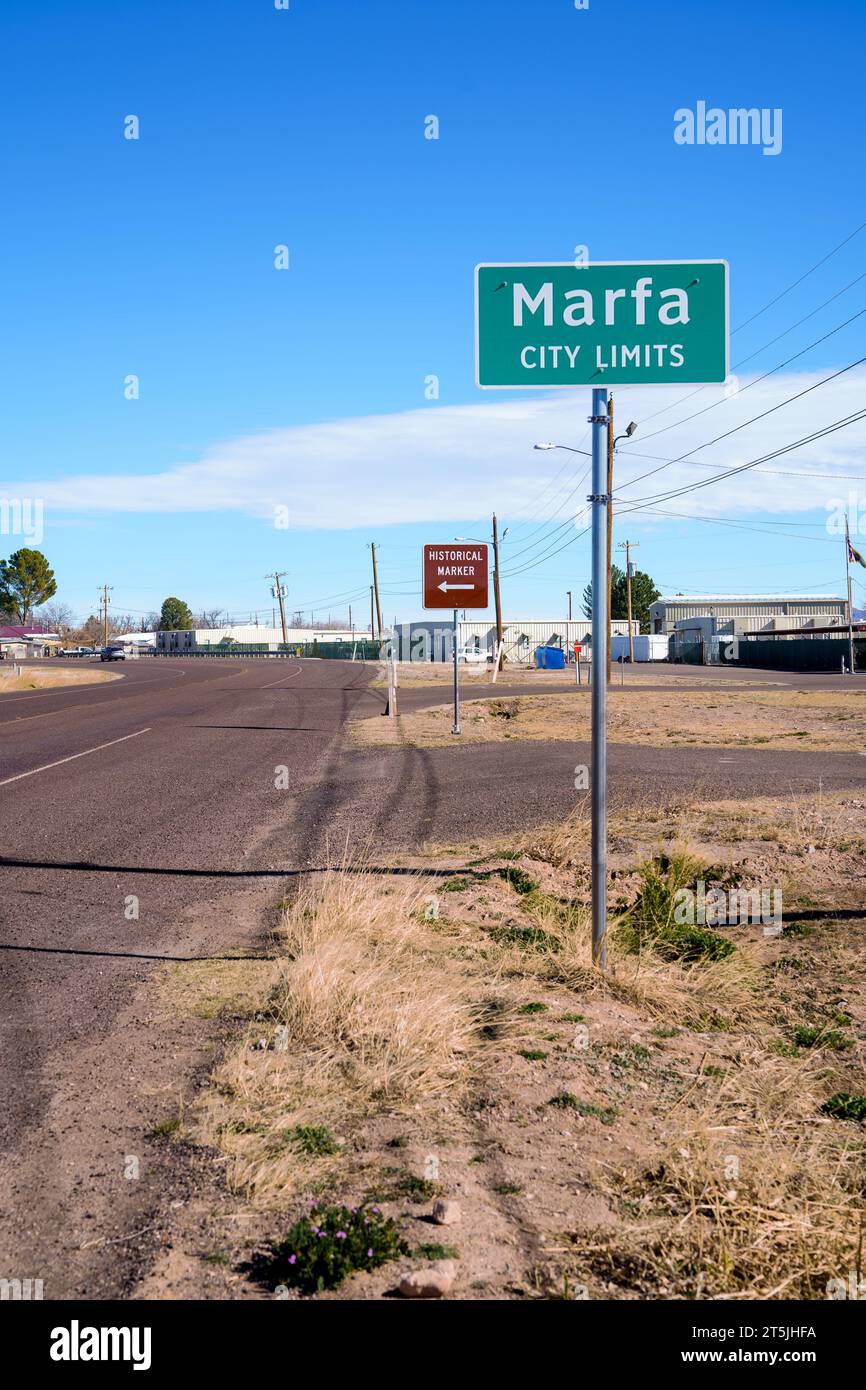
(175, 616)
(26, 580)
(643, 593)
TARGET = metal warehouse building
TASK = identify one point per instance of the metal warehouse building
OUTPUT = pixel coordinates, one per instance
(432, 639)
(717, 614)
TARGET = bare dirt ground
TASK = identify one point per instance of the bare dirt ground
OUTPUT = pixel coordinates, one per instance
(741, 718)
(31, 679)
(412, 674)
(689, 1125)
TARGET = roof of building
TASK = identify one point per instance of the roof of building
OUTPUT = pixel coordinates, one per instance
(749, 598)
(20, 631)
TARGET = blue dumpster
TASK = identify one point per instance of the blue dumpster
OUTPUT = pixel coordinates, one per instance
(550, 658)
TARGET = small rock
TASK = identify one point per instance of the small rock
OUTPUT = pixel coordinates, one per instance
(434, 1281)
(446, 1213)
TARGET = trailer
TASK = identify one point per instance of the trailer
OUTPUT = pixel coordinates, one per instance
(648, 646)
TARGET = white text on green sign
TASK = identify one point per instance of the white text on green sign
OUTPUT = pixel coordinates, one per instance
(625, 323)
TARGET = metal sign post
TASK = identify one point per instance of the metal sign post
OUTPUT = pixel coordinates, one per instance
(455, 727)
(599, 502)
(543, 325)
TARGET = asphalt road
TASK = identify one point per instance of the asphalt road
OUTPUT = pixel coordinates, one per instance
(158, 787)
(139, 822)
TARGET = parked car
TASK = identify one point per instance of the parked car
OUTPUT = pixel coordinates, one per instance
(112, 654)
(77, 651)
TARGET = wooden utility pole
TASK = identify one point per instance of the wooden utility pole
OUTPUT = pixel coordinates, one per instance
(104, 602)
(372, 623)
(278, 593)
(376, 590)
(628, 547)
(497, 595)
(609, 525)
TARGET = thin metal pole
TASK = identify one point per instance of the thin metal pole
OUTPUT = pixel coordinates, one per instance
(600, 652)
(609, 518)
(497, 595)
(850, 604)
(455, 728)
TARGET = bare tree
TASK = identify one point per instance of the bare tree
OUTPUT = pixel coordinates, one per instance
(210, 617)
(123, 622)
(55, 617)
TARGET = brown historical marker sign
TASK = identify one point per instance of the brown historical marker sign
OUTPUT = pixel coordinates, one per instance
(455, 576)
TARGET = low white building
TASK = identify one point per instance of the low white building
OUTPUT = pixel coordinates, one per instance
(249, 635)
(432, 639)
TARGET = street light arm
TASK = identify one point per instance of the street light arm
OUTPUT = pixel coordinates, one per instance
(567, 447)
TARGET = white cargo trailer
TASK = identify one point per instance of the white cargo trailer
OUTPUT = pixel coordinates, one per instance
(648, 646)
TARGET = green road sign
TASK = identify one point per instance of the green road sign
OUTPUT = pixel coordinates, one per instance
(610, 323)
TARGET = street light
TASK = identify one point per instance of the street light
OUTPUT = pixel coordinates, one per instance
(568, 447)
(630, 429)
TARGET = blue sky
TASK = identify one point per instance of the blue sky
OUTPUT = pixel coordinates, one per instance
(305, 388)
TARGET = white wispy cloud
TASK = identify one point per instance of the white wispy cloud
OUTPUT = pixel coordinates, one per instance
(452, 462)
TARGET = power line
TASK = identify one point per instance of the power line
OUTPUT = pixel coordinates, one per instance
(758, 313)
(757, 379)
(799, 281)
(741, 468)
(764, 413)
(565, 466)
(751, 528)
(541, 559)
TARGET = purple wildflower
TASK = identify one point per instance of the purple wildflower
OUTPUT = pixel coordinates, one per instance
(341, 1235)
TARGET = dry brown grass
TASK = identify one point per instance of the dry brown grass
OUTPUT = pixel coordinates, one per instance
(31, 679)
(775, 719)
(714, 994)
(754, 1198)
(411, 674)
(366, 1013)
(722, 1174)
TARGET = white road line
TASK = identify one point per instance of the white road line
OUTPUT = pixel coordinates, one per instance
(47, 766)
(283, 680)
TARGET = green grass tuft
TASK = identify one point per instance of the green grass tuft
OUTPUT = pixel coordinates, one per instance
(843, 1106)
(566, 1101)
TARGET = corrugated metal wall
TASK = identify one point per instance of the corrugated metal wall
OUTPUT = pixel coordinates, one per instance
(520, 638)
